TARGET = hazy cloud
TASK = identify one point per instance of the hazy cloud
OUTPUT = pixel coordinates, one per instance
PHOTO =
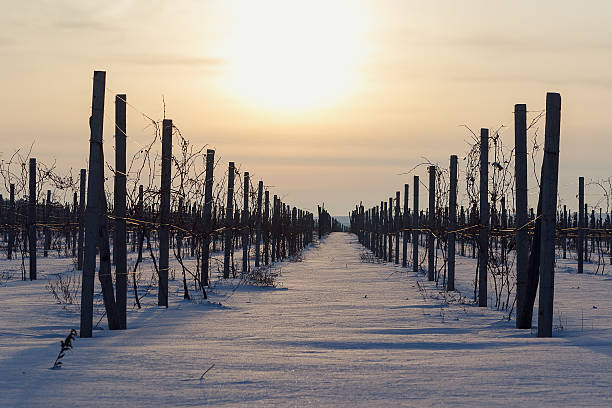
(505, 77)
(488, 41)
(502, 42)
(171, 59)
(82, 24)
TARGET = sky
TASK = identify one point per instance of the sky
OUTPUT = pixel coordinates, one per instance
(327, 101)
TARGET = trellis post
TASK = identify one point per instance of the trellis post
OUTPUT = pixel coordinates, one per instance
(95, 207)
(258, 223)
(549, 185)
(208, 192)
(521, 234)
(452, 223)
(581, 224)
(405, 227)
(164, 230)
(120, 245)
(229, 214)
(81, 216)
(432, 220)
(483, 249)
(32, 218)
(245, 226)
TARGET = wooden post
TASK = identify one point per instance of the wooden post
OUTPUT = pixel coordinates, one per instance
(483, 248)
(319, 222)
(374, 244)
(381, 229)
(564, 226)
(504, 225)
(95, 209)
(11, 220)
(415, 225)
(549, 185)
(431, 256)
(46, 230)
(585, 240)
(140, 214)
(266, 224)
(377, 232)
(258, 223)
(522, 237)
(280, 242)
(293, 235)
(390, 229)
(452, 223)
(474, 221)
(245, 224)
(397, 225)
(229, 214)
(208, 199)
(120, 245)
(581, 215)
(75, 221)
(405, 227)
(83, 180)
(68, 229)
(274, 227)
(384, 224)
(32, 218)
(462, 224)
(282, 216)
(367, 226)
(164, 212)
(178, 242)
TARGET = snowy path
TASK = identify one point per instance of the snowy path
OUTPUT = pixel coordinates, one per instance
(339, 332)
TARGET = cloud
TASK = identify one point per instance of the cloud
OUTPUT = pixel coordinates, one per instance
(487, 40)
(171, 59)
(537, 43)
(82, 24)
(605, 83)
(592, 82)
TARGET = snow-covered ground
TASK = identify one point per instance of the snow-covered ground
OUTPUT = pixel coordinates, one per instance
(337, 331)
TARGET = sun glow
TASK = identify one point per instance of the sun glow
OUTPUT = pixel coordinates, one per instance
(294, 56)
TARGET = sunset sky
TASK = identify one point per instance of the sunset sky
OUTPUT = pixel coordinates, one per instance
(327, 101)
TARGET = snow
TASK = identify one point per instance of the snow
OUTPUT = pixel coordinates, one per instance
(337, 331)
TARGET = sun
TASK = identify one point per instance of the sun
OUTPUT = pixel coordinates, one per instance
(294, 56)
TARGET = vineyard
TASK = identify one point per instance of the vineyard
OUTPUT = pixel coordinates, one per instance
(204, 274)
(515, 248)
